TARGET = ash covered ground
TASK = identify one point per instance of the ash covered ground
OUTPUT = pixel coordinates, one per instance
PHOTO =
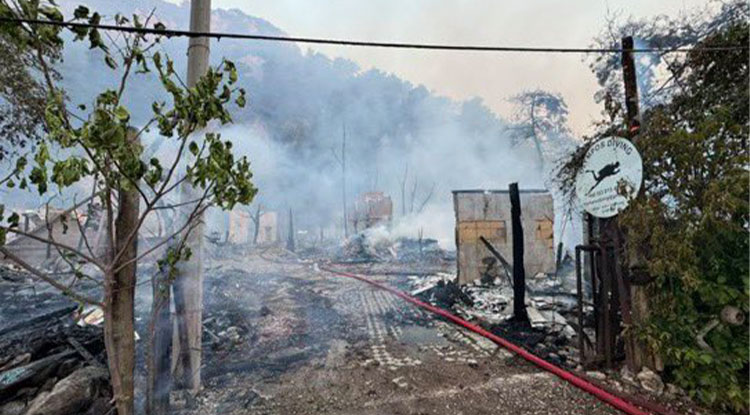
(299, 340)
(284, 336)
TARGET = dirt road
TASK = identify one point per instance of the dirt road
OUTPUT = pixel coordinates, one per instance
(303, 341)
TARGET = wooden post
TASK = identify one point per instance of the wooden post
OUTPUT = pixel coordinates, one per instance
(160, 346)
(256, 221)
(188, 286)
(343, 180)
(519, 273)
(160, 332)
(631, 85)
(579, 292)
(639, 354)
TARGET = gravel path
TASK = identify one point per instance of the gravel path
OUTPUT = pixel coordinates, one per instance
(314, 343)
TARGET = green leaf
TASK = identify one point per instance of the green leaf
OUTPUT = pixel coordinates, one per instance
(241, 99)
(52, 13)
(122, 114)
(21, 164)
(81, 12)
(193, 147)
(95, 39)
(95, 19)
(110, 62)
(13, 220)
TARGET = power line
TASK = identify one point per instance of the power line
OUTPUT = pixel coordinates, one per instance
(340, 42)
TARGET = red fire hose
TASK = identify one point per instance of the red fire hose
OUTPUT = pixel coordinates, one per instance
(578, 382)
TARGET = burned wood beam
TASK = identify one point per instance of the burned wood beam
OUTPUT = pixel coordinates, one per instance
(82, 351)
(507, 266)
(519, 273)
(54, 314)
(14, 379)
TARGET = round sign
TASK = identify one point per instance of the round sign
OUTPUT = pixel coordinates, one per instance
(610, 177)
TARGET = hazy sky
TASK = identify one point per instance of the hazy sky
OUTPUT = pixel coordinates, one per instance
(491, 76)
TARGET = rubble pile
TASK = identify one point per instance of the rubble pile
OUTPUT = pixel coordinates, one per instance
(49, 363)
(444, 293)
(550, 307)
(377, 245)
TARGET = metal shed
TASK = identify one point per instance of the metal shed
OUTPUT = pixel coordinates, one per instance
(487, 213)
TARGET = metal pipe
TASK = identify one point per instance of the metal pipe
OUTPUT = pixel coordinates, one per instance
(579, 291)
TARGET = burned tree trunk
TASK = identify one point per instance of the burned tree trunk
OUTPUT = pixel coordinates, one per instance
(519, 273)
(160, 346)
(290, 235)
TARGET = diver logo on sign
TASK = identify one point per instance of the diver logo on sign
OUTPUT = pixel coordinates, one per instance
(610, 177)
(610, 169)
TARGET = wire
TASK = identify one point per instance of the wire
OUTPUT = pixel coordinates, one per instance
(340, 42)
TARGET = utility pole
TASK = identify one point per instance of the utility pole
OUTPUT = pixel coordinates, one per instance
(188, 286)
(519, 272)
(631, 86)
(638, 307)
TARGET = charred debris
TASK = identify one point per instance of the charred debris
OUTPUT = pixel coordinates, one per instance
(61, 369)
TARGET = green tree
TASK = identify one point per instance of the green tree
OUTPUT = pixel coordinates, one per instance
(691, 222)
(97, 144)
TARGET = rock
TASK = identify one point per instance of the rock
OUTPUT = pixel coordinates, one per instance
(72, 395)
(627, 375)
(569, 332)
(650, 381)
(673, 390)
(100, 406)
(233, 333)
(535, 317)
(13, 408)
(400, 382)
(596, 375)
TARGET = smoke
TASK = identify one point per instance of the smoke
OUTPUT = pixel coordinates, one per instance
(400, 138)
(450, 146)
